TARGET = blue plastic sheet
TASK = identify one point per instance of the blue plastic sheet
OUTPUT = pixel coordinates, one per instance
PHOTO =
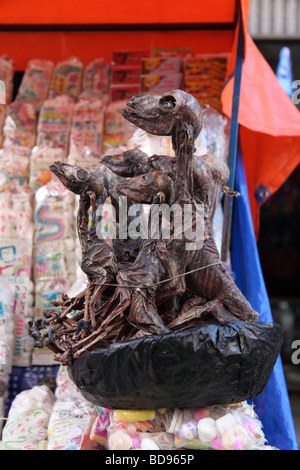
(272, 405)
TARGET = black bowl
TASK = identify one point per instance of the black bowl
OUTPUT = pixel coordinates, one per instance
(201, 366)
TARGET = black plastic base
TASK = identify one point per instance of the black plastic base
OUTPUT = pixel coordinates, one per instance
(201, 366)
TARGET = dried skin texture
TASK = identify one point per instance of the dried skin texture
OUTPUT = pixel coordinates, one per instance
(152, 285)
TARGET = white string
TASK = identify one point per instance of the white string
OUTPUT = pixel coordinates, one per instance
(157, 283)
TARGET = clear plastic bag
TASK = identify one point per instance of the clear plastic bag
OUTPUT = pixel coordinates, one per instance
(28, 419)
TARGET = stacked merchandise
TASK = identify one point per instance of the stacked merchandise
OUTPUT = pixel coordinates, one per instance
(126, 71)
(66, 79)
(35, 83)
(7, 70)
(16, 214)
(53, 251)
(204, 78)
(16, 207)
(160, 74)
(59, 418)
(6, 341)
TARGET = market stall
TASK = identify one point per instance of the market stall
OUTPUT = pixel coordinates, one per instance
(68, 56)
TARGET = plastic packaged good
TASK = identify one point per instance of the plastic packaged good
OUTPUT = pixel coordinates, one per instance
(53, 216)
(204, 77)
(6, 333)
(7, 69)
(28, 419)
(40, 160)
(67, 79)
(20, 125)
(87, 125)
(3, 108)
(213, 137)
(114, 125)
(234, 427)
(16, 213)
(15, 167)
(35, 82)
(15, 257)
(95, 80)
(54, 123)
(70, 423)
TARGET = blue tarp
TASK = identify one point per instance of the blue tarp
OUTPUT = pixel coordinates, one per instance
(272, 405)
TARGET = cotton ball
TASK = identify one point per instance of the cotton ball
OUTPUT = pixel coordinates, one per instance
(119, 440)
(235, 438)
(149, 444)
(207, 430)
(188, 430)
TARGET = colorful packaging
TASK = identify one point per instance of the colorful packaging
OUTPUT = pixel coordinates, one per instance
(35, 82)
(233, 427)
(128, 57)
(126, 74)
(160, 83)
(70, 423)
(20, 125)
(95, 80)
(14, 167)
(40, 160)
(67, 79)
(3, 109)
(53, 215)
(54, 123)
(87, 125)
(204, 77)
(160, 66)
(7, 67)
(124, 92)
(28, 419)
(16, 214)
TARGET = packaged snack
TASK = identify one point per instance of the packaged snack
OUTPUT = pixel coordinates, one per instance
(128, 57)
(16, 213)
(162, 66)
(53, 216)
(87, 125)
(35, 82)
(126, 74)
(54, 123)
(6, 333)
(28, 419)
(204, 77)
(124, 92)
(40, 161)
(20, 125)
(15, 257)
(7, 67)
(233, 427)
(67, 79)
(160, 83)
(15, 167)
(3, 109)
(70, 423)
(95, 81)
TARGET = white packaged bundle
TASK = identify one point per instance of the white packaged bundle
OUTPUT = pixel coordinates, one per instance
(28, 418)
